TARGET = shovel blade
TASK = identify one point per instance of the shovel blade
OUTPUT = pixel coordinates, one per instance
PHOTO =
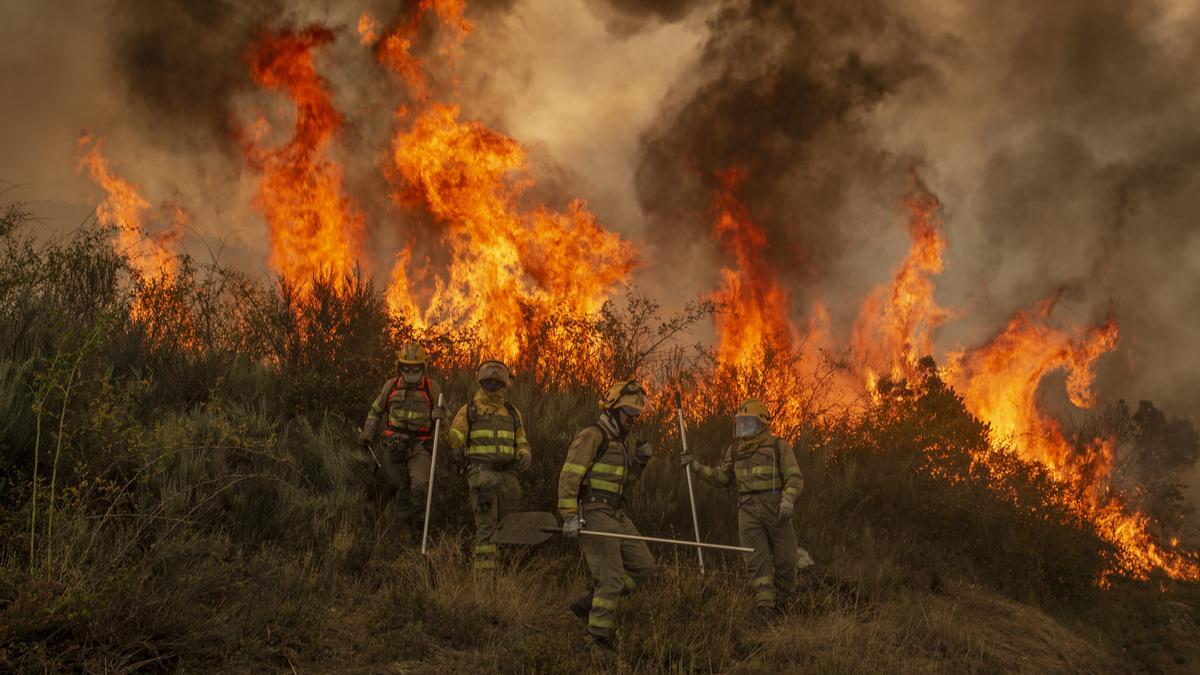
(527, 528)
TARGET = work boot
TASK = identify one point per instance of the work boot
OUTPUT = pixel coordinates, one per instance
(766, 616)
(786, 602)
(604, 644)
(581, 607)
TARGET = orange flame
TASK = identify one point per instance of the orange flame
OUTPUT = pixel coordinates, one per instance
(503, 259)
(314, 229)
(756, 309)
(894, 329)
(394, 49)
(509, 264)
(999, 383)
(760, 352)
(1137, 551)
(895, 325)
(125, 209)
(369, 28)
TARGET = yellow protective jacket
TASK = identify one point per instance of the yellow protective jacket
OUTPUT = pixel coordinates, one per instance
(600, 463)
(489, 429)
(407, 410)
(761, 463)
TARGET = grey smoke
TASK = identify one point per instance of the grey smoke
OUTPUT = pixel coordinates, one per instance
(1060, 137)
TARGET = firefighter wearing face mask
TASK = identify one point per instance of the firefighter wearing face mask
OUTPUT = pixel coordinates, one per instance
(763, 469)
(601, 463)
(488, 435)
(407, 404)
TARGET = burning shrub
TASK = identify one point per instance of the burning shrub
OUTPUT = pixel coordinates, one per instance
(215, 430)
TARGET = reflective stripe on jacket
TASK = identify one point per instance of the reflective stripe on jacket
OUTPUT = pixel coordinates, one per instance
(409, 410)
(492, 437)
(594, 467)
(757, 464)
(493, 434)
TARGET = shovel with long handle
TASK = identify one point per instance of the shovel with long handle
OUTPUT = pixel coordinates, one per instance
(529, 528)
(437, 429)
(688, 469)
(700, 545)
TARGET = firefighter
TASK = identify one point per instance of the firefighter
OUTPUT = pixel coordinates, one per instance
(763, 469)
(602, 461)
(410, 403)
(488, 435)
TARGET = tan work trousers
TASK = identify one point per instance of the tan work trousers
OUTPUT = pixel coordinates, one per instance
(618, 566)
(772, 564)
(407, 471)
(494, 494)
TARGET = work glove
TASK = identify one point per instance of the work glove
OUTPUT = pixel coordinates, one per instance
(438, 414)
(365, 442)
(524, 459)
(786, 507)
(688, 460)
(571, 527)
(644, 453)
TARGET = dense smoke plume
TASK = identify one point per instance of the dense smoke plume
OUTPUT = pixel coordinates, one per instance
(173, 59)
(1059, 137)
(1061, 140)
(781, 92)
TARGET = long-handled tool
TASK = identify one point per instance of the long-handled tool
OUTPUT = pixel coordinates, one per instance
(688, 469)
(534, 527)
(437, 428)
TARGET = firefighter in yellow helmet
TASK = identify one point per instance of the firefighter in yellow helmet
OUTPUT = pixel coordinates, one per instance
(763, 469)
(601, 463)
(407, 404)
(488, 435)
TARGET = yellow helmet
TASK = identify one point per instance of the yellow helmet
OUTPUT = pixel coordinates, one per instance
(411, 354)
(494, 370)
(626, 393)
(754, 408)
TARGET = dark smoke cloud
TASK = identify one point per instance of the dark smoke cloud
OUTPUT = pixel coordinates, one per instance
(1061, 138)
(180, 61)
(1092, 179)
(780, 91)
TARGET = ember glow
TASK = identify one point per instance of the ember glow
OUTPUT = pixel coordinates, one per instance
(314, 229)
(126, 210)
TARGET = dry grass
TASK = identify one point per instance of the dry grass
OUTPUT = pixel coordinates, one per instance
(212, 514)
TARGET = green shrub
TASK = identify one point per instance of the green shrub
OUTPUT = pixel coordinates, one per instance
(211, 510)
